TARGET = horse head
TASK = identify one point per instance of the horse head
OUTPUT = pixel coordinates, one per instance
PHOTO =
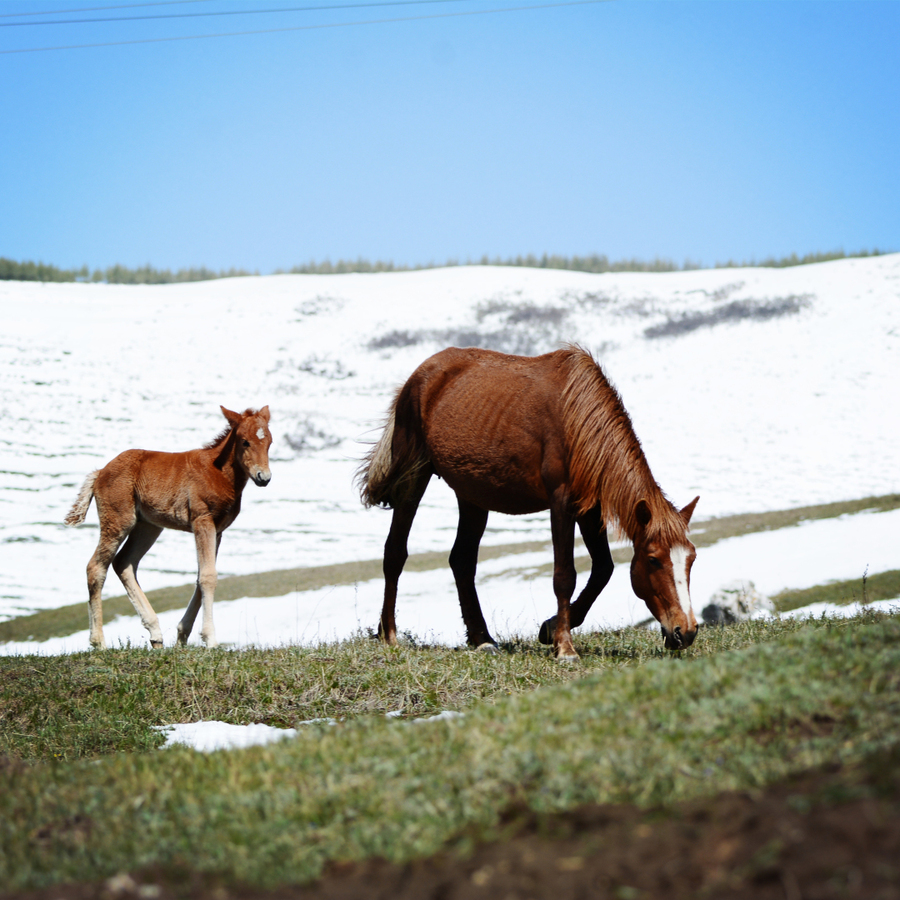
(252, 442)
(661, 574)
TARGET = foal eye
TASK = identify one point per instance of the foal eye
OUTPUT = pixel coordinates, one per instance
(246, 443)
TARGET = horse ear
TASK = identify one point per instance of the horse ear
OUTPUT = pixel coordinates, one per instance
(688, 511)
(264, 414)
(234, 419)
(642, 513)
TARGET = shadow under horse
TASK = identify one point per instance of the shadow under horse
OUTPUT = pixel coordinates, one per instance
(516, 435)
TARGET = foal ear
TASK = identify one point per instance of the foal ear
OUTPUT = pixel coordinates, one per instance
(264, 414)
(642, 513)
(688, 511)
(234, 419)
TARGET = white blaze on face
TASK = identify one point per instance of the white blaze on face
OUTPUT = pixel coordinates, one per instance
(260, 433)
(679, 557)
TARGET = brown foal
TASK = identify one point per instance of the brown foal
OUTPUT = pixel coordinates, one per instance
(141, 492)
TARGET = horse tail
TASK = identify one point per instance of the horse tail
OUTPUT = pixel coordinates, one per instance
(85, 495)
(392, 467)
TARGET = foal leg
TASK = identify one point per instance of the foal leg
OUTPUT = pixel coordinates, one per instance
(562, 527)
(141, 539)
(186, 625)
(463, 562)
(395, 556)
(595, 539)
(207, 544)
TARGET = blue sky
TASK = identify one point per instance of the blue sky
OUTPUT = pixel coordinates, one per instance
(702, 131)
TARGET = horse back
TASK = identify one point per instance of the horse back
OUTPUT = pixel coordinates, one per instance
(167, 489)
(492, 425)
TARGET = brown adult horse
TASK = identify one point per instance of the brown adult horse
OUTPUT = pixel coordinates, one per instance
(520, 434)
(143, 491)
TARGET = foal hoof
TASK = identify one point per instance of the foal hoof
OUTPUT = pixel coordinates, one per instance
(490, 648)
(568, 656)
(545, 635)
(156, 645)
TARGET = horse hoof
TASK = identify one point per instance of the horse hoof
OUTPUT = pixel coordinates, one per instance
(545, 635)
(156, 645)
(490, 648)
(569, 655)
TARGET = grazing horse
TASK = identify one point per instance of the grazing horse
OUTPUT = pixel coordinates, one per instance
(143, 491)
(518, 434)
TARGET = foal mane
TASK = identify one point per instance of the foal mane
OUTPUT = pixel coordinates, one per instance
(607, 466)
(223, 435)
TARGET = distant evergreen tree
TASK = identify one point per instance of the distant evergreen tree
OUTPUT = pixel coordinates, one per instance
(10, 270)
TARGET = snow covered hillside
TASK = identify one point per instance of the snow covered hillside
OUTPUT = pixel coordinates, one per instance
(757, 389)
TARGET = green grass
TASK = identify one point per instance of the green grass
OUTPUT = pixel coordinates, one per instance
(67, 620)
(92, 704)
(750, 705)
(881, 586)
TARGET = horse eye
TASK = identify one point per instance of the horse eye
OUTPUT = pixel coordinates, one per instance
(246, 443)
(654, 562)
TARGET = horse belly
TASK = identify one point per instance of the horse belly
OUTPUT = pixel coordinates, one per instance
(497, 494)
(169, 515)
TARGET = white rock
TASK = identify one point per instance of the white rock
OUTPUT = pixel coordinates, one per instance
(735, 602)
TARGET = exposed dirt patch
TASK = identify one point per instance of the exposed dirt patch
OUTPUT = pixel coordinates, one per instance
(833, 833)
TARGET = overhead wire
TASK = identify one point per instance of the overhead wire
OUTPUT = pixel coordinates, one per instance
(60, 12)
(228, 12)
(195, 37)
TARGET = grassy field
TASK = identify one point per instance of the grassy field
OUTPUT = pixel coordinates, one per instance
(86, 793)
(69, 619)
(83, 794)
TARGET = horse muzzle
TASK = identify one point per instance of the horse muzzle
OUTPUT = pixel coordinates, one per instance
(676, 639)
(262, 478)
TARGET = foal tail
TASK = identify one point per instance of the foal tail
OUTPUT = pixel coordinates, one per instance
(392, 467)
(85, 495)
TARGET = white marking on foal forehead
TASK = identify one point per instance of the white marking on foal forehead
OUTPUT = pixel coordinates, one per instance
(679, 557)
(260, 432)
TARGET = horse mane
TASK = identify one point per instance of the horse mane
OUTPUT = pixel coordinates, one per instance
(222, 436)
(607, 466)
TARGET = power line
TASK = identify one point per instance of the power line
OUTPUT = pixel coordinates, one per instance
(60, 12)
(229, 12)
(195, 37)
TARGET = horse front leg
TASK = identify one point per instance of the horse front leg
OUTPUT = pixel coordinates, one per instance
(186, 625)
(395, 556)
(463, 562)
(205, 537)
(562, 527)
(595, 539)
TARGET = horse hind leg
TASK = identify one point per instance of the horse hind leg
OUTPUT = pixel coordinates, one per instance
(463, 562)
(141, 539)
(396, 554)
(97, 567)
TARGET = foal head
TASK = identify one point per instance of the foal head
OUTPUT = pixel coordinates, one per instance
(661, 573)
(252, 442)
